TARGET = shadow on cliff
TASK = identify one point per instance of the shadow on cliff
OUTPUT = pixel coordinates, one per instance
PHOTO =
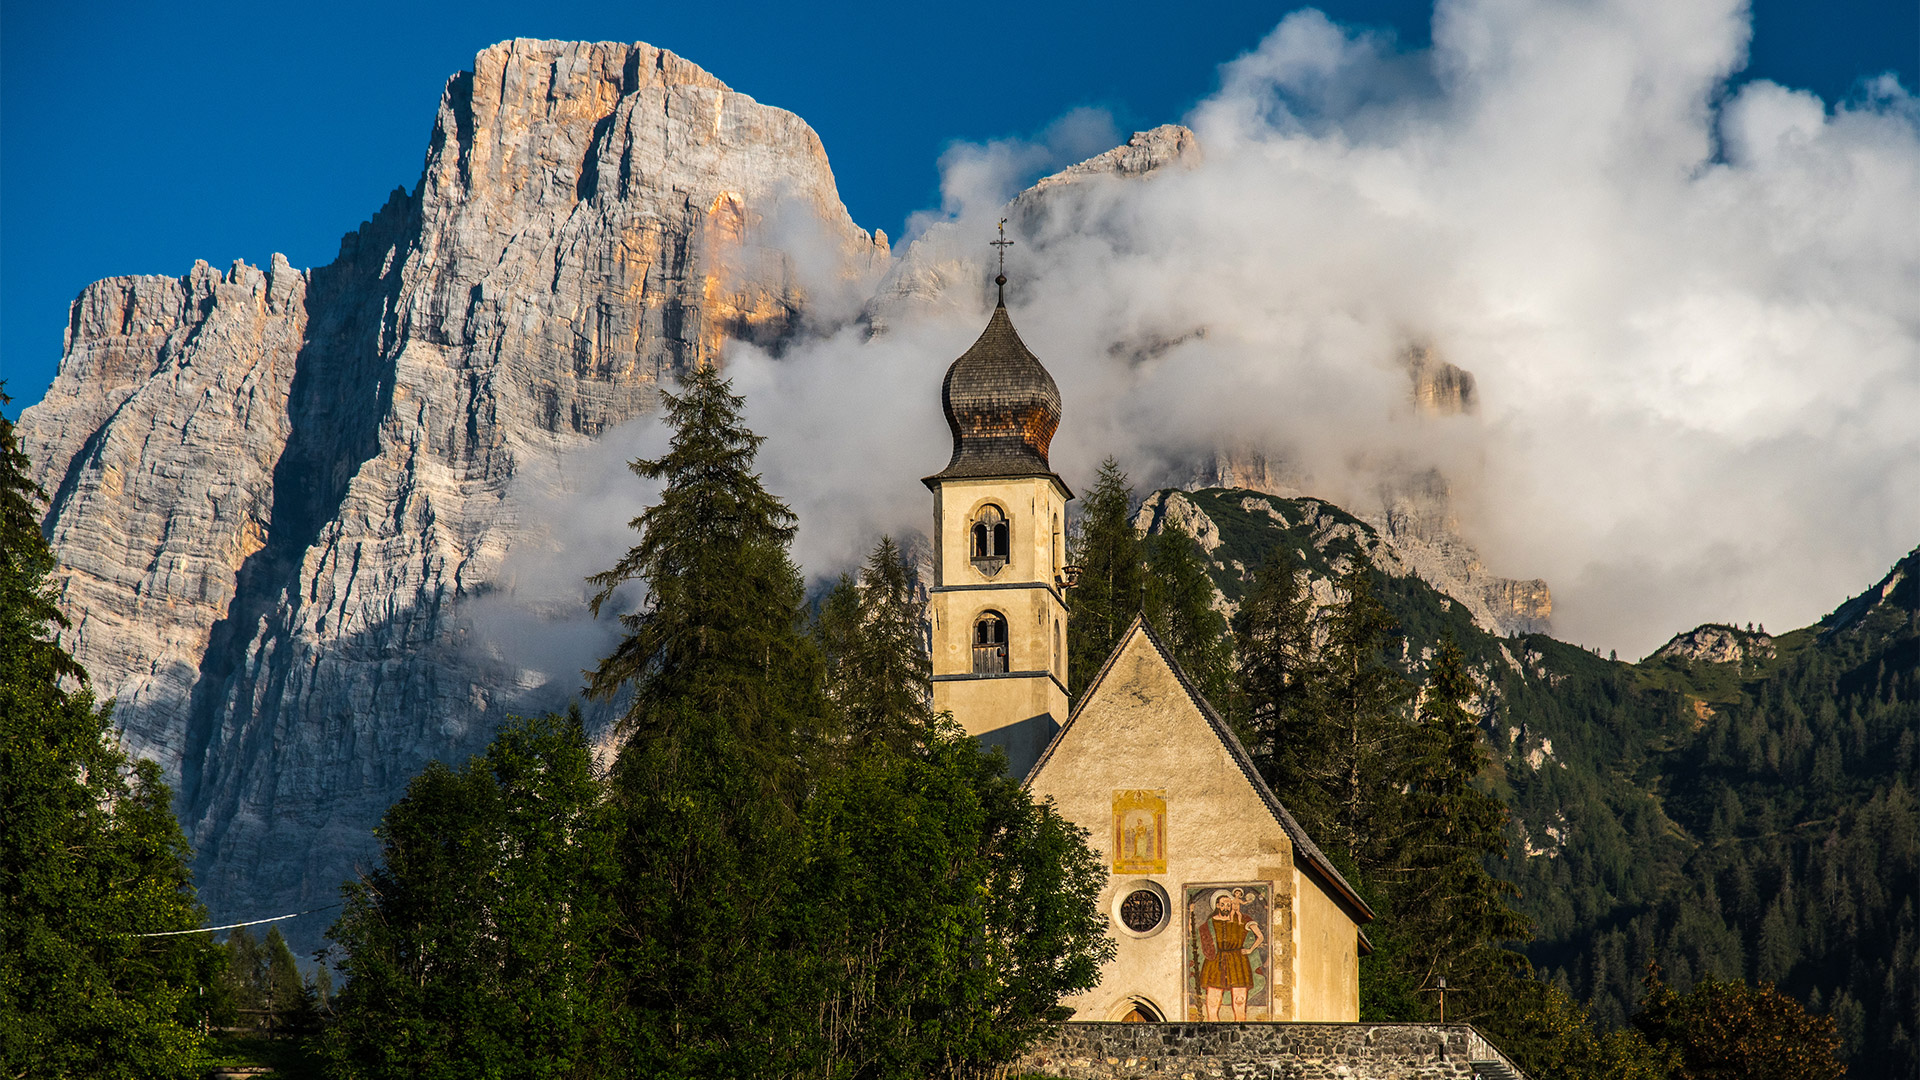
(341, 393)
(314, 784)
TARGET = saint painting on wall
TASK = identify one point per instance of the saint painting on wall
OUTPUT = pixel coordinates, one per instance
(1140, 831)
(1229, 967)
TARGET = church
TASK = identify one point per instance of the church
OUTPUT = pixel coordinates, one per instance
(1223, 908)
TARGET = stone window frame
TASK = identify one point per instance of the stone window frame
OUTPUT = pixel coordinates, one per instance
(984, 661)
(990, 538)
(1127, 889)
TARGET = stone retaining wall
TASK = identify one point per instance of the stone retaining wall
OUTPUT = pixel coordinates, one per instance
(1276, 1051)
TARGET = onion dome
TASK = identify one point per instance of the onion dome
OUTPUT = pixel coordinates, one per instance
(1002, 406)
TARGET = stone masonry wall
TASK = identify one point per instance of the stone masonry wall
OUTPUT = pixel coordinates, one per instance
(1276, 1051)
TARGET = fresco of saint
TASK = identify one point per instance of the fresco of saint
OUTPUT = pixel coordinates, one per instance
(1227, 952)
(1139, 832)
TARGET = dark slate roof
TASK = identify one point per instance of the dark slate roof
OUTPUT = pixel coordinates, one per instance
(1002, 407)
(1313, 858)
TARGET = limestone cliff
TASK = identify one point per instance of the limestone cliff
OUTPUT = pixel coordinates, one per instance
(272, 488)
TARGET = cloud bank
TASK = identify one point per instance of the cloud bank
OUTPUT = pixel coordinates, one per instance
(1692, 309)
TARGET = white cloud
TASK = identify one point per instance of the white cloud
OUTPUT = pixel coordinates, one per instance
(1693, 313)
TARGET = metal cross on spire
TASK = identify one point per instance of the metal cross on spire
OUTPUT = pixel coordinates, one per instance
(1003, 244)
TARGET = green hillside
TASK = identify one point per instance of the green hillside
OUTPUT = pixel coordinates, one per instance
(1739, 806)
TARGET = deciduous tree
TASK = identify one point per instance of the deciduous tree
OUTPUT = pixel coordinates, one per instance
(479, 945)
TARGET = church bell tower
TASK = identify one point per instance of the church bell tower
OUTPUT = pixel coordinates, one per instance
(998, 614)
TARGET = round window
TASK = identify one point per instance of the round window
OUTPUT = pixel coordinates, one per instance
(1143, 910)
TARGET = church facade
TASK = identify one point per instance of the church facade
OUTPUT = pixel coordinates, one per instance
(1222, 907)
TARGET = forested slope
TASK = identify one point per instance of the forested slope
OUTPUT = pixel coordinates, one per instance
(1737, 805)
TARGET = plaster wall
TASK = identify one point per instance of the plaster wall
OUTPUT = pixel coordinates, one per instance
(1019, 710)
(1036, 508)
(1329, 956)
(1140, 730)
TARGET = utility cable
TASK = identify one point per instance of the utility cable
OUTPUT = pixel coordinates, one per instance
(237, 925)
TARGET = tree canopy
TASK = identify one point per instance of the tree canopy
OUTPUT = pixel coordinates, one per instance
(91, 857)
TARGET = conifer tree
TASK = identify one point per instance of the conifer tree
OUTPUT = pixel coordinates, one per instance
(724, 723)
(1450, 912)
(262, 983)
(714, 665)
(1112, 585)
(1365, 712)
(1278, 700)
(91, 856)
(879, 676)
(1179, 604)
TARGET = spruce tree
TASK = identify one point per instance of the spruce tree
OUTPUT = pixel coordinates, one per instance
(1450, 914)
(1111, 588)
(879, 676)
(1179, 604)
(91, 856)
(1364, 707)
(725, 720)
(714, 667)
(1279, 696)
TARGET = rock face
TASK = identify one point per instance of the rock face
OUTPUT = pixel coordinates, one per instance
(1439, 388)
(945, 272)
(1396, 545)
(1413, 513)
(1716, 644)
(271, 489)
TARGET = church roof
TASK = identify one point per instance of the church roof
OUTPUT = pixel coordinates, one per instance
(1002, 407)
(1312, 858)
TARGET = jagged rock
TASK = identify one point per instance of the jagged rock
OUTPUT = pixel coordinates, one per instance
(1145, 152)
(1716, 644)
(272, 491)
(943, 272)
(1169, 508)
(1414, 513)
(1439, 388)
(1399, 545)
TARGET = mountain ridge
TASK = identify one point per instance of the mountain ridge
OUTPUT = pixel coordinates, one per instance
(270, 489)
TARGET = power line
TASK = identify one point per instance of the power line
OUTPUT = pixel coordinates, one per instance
(237, 925)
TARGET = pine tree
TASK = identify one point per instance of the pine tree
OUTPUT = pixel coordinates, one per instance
(725, 724)
(91, 856)
(1453, 914)
(1111, 588)
(879, 676)
(1365, 711)
(1179, 604)
(1277, 700)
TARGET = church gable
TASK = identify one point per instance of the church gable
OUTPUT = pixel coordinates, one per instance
(1207, 871)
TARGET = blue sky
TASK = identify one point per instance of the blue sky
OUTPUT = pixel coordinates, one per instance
(135, 138)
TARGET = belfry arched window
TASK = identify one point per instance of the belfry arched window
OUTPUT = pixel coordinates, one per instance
(990, 540)
(990, 644)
